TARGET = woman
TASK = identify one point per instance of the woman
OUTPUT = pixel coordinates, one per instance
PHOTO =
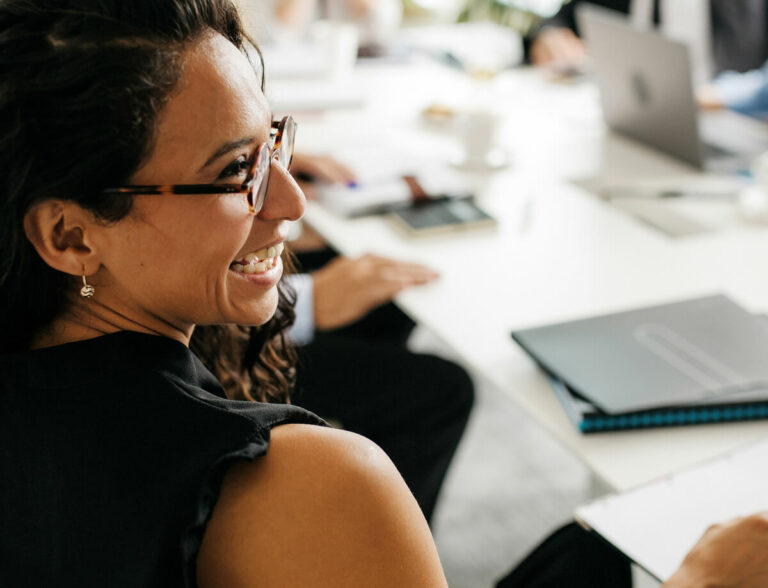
(143, 194)
(115, 439)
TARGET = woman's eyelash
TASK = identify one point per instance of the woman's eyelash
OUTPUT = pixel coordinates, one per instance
(236, 168)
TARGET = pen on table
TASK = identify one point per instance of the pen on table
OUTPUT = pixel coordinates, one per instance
(449, 58)
(613, 194)
(388, 207)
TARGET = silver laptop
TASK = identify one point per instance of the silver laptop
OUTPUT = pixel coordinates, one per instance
(647, 93)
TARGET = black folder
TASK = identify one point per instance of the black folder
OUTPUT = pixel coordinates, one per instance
(701, 352)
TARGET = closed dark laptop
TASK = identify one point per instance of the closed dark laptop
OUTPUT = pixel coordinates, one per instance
(676, 354)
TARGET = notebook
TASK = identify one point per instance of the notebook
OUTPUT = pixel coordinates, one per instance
(656, 524)
(681, 354)
(587, 418)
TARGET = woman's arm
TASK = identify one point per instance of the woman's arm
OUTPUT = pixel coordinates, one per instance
(323, 508)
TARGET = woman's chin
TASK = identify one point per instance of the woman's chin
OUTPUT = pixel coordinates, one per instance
(258, 312)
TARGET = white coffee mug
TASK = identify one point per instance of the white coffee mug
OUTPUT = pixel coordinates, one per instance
(340, 41)
(478, 132)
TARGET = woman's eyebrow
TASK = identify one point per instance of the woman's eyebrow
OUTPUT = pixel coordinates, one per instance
(226, 148)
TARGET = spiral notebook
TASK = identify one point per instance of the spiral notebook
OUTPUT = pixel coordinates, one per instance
(746, 405)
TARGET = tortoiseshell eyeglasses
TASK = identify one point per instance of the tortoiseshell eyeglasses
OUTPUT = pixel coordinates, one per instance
(254, 188)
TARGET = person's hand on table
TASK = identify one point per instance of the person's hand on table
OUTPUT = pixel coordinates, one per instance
(558, 46)
(728, 555)
(707, 98)
(319, 168)
(347, 289)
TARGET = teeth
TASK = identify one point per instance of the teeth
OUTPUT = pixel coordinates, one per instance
(252, 268)
(255, 259)
(260, 254)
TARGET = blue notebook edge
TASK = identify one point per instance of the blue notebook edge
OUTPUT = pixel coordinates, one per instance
(597, 422)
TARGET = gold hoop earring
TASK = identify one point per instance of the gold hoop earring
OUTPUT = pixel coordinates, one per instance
(87, 291)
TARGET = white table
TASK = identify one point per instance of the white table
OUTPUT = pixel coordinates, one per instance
(559, 252)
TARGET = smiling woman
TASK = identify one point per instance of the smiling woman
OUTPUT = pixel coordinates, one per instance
(144, 202)
(58, 153)
(134, 264)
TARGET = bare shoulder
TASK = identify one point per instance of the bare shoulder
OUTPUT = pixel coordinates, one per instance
(323, 508)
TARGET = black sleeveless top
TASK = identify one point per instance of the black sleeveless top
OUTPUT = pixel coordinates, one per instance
(112, 451)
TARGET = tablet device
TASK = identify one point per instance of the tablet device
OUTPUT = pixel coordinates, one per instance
(442, 215)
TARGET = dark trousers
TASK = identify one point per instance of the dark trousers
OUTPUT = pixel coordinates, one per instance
(414, 406)
(571, 558)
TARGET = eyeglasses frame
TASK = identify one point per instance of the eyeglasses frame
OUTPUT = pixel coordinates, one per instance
(247, 188)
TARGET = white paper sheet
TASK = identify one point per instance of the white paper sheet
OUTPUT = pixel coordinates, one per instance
(657, 524)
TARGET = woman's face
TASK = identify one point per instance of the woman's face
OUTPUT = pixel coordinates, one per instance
(173, 261)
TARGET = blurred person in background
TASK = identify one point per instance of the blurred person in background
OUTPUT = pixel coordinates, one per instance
(745, 93)
(276, 20)
(735, 39)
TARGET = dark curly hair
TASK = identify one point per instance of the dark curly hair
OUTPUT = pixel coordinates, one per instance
(81, 85)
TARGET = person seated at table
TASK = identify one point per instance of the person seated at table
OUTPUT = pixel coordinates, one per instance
(745, 93)
(384, 391)
(738, 36)
(344, 309)
(143, 193)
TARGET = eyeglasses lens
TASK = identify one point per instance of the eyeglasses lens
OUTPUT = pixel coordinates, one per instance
(285, 150)
(259, 184)
(260, 173)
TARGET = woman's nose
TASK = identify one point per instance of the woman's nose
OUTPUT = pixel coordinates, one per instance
(284, 199)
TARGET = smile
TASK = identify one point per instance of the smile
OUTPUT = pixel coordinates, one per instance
(258, 262)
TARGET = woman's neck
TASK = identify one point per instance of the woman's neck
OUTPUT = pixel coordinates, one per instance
(95, 320)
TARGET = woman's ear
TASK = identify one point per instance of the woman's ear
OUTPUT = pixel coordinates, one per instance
(60, 231)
